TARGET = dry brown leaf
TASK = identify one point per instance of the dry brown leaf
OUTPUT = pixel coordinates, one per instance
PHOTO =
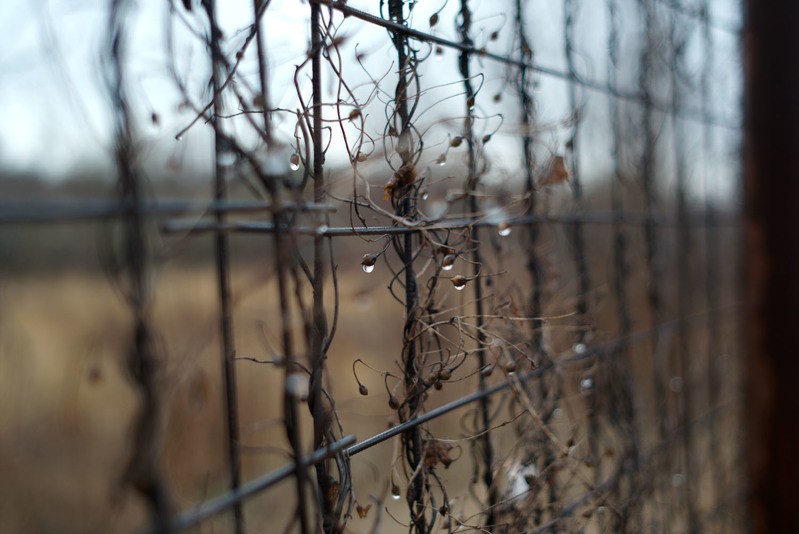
(405, 175)
(363, 511)
(558, 173)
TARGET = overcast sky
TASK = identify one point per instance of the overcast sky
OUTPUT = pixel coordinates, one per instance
(55, 116)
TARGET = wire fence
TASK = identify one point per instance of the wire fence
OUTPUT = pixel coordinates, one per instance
(557, 217)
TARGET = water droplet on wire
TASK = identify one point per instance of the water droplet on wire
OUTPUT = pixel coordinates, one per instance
(226, 158)
(448, 262)
(297, 385)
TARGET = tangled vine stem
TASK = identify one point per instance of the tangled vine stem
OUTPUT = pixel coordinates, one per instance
(472, 181)
(403, 200)
(142, 471)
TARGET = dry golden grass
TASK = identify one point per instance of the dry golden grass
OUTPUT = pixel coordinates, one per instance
(66, 404)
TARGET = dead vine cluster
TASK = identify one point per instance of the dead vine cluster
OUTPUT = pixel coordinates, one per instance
(473, 271)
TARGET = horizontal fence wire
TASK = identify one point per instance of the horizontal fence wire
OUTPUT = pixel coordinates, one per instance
(66, 211)
(694, 115)
(232, 498)
(82, 210)
(591, 218)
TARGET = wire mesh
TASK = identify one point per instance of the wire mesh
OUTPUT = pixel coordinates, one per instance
(588, 210)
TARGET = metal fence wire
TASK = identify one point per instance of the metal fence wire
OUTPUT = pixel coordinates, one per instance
(545, 190)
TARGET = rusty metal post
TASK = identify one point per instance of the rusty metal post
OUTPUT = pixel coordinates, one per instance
(771, 182)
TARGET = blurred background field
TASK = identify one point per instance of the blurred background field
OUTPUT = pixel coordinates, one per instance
(67, 404)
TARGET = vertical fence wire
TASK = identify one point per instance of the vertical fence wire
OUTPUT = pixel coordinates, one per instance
(221, 245)
(403, 199)
(621, 408)
(682, 365)
(320, 410)
(588, 382)
(648, 165)
(486, 459)
(712, 257)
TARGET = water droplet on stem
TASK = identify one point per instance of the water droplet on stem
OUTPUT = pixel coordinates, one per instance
(503, 228)
(448, 262)
(586, 385)
(459, 282)
(368, 262)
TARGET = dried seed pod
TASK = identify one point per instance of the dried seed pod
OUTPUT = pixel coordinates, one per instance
(363, 390)
(445, 374)
(455, 142)
(393, 403)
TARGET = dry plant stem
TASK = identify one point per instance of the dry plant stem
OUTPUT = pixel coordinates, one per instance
(290, 400)
(403, 199)
(285, 249)
(322, 412)
(622, 409)
(594, 398)
(142, 471)
(534, 265)
(648, 166)
(527, 119)
(223, 274)
(487, 459)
